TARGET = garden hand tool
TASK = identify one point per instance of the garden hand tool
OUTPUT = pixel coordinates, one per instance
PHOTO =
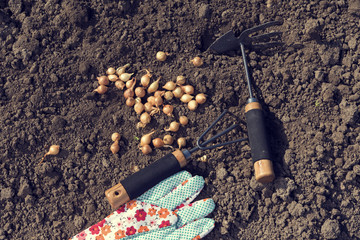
(139, 182)
(260, 152)
(163, 212)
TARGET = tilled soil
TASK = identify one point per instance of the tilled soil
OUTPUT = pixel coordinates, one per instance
(52, 51)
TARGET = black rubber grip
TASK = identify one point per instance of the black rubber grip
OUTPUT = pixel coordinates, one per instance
(257, 135)
(146, 178)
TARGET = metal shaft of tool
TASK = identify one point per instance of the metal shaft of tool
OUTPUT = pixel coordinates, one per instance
(247, 72)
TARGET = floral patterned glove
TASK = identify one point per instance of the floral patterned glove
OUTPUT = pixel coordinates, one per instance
(163, 212)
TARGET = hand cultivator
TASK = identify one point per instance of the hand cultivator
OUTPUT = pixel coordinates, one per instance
(254, 116)
(136, 184)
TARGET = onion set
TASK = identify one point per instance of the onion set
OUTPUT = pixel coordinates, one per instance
(146, 139)
(53, 150)
(101, 89)
(174, 127)
(145, 79)
(103, 80)
(197, 61)
(161, 56)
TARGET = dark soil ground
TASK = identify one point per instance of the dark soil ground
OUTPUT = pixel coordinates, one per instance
(52, 51)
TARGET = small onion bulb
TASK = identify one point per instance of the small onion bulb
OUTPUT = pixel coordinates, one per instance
(146, 149)
(168, 139)
(139, 107)
(168, 95)
(53, 150)
(110, 71)
(158, 101)
(145, 118)
(145, 79)
(103, 80)
(174, 127)
(114, 148)
(154, 86)
(158, 142)
(148, 107)
(115, 136)
(183, 120)
(197, 61)
(168, 109)
(169, 86)
(125, 76)
(130, 91)
(180, 80)
(146, 139)
(192, 105)
(130, 83)
(101, 89)
(188, 89)
(186, 98)
(140, 92)
(200, 98)
(151, 100)
(181, 142)
(130, 101)
(178, 92)
(161, 56)
(113, 78)
(120, 85)
(159, 93)
(121, 70)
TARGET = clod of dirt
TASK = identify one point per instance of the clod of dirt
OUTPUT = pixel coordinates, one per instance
(354, 6)
(323, 179)
(329, 55)
(284, 187)
(204, 11)
(349, 112)
(221, 173)
(15, 6)
(330, 229)
(7, 193)
(351, 156)
(296, 209)
(328, 92)
(313, 28)
(24, 189)
(335, 75)
(338, 137)
(79, 221)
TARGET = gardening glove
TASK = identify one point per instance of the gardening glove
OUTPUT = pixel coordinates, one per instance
(163, 212)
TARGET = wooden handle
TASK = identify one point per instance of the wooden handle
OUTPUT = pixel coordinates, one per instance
(260, 150)
(264, 172)
(138, 183)
(117, 195)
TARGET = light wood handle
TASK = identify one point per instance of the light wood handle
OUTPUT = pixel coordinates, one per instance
(264, 172)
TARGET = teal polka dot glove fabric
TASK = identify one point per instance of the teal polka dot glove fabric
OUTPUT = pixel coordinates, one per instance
(166, 211)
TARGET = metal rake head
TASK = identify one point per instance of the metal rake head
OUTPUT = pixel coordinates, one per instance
(260, 41)
(203, 145)
(228, 41)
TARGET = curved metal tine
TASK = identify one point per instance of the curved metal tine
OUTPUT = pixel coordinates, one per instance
(263, 26)
(264, 37)
(210, 127)
(203, 145)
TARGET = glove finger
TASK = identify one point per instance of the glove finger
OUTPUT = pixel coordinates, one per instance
(182, 192)
(164, 187)
(195, 230)
(196, 210)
